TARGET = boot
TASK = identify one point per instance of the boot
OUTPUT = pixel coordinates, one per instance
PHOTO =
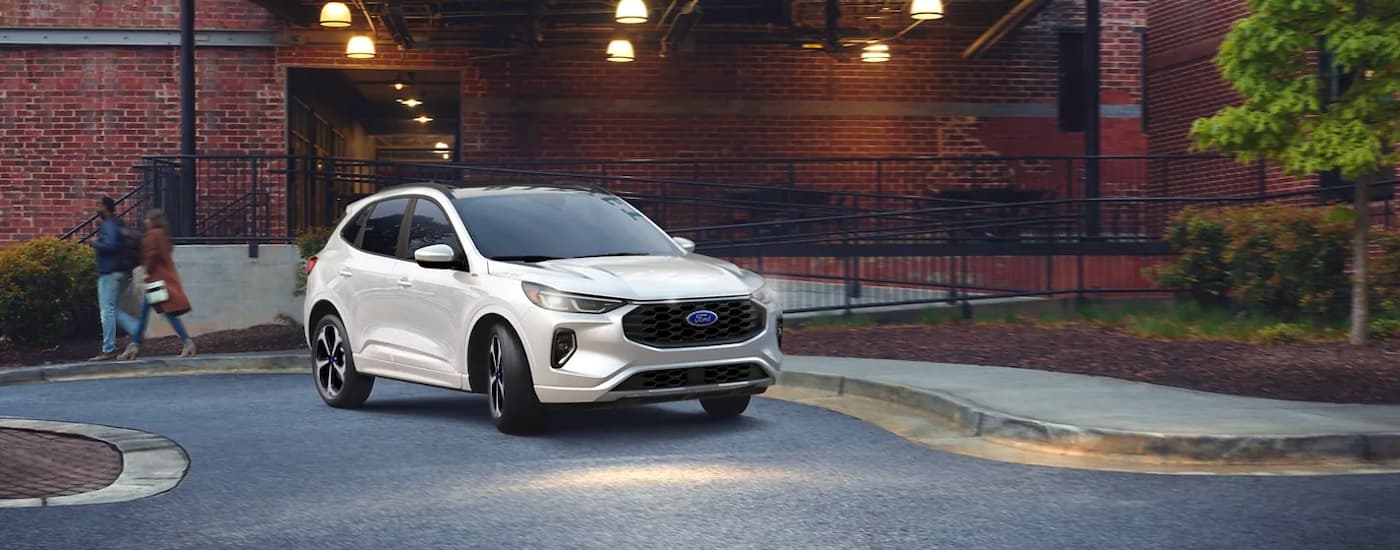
(132, 350)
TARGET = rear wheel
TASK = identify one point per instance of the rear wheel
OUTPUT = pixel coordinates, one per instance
(725, 407)
(337, 381)
(510, 390)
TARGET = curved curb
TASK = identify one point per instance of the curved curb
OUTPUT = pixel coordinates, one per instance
(151, 464)
(971, 418)
(1032, 434)
(238, 363)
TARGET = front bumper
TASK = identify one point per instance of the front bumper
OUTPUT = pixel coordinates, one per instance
(607, 368)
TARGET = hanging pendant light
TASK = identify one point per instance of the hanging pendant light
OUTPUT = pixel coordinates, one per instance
(926, 9)
(360, 47)
(875, 53)
(620, 51)
(335, 15)
(631, 12)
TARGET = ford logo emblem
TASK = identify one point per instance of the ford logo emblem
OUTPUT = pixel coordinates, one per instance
(702, 318)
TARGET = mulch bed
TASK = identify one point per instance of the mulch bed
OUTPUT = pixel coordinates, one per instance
(271, 337)
(1309, 372)
(1337, 373)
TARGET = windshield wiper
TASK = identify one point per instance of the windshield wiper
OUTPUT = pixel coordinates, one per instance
(614, 254)
(524, 258)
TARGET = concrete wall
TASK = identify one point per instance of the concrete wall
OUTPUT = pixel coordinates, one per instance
(229, 290)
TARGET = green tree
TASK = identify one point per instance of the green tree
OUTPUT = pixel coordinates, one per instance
(1295, 114)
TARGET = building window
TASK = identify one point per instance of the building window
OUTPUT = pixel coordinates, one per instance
(1072, 74)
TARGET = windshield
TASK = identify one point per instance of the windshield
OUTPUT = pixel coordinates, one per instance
(558, 223)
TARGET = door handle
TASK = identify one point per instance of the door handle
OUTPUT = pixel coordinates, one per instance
(405, 283)
(345, 272)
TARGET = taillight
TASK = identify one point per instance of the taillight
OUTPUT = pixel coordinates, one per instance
(310, 264)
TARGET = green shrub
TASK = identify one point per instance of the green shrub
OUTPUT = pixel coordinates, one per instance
(1278, 260)
(48, 291)
(312, 240)
(1386, 329)
(309, 242)
(1282, 333)
(1199, 237)
(1384, 273)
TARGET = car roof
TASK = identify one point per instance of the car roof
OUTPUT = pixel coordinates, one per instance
(477, 189)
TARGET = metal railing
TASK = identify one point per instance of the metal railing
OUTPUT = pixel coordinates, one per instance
(1004, 178)
(829, 246)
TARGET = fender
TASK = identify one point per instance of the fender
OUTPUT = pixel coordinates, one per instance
(492, 306)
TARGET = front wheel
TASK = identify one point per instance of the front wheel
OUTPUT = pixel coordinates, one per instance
(725, 407)
(510, 390)
(337, 381)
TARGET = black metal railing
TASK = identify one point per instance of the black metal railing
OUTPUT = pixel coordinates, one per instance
(997, 178)
(835, 246)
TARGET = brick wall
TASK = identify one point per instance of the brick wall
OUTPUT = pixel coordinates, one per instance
(76, 119)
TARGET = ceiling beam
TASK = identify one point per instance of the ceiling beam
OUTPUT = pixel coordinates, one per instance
(1017, 16)
(290, 11)
(393, 18)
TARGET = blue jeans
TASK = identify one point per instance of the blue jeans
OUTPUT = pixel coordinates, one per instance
(175, 323)
(109, 292)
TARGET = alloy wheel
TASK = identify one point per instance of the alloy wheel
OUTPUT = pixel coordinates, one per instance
(496, 385)
(330, 360)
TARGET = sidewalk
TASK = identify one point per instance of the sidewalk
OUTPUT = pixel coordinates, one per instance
(1086, 414)
(1040, 410)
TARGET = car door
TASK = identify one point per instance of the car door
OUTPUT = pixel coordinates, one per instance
(437, 301)
(373, 279)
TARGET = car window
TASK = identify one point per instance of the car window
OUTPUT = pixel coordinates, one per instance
(351, 232)
(382, 227)
(429, 226)
(558, 223)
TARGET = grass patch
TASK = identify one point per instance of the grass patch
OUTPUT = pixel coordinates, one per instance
(941, 316)
(839, 321)
(1191, 321)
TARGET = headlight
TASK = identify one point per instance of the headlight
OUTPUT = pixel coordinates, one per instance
(765, 294)
(555, 300)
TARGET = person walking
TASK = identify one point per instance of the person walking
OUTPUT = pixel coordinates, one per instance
(168, 295)
(113, 277)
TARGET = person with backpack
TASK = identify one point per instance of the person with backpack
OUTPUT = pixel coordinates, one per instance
(163, 290)
(115, 262)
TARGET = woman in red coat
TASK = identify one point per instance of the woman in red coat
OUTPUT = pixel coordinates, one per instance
(160, 267)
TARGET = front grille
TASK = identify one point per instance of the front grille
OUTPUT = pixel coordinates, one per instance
(691, 376)
(665, 325)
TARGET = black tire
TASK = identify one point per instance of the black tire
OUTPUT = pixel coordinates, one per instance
(725, 407)
(510, 389)
(333, 366)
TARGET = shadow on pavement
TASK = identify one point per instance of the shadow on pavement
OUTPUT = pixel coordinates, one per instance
(679, 420)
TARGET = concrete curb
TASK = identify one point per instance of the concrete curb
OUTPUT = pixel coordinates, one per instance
(234, 363)
(971, 418)
(151, 464)
(1039, 435)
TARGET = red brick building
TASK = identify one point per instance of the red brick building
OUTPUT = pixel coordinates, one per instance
(79, 109)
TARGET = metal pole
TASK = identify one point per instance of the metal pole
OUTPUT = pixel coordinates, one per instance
(1092, 37)
(187, 148)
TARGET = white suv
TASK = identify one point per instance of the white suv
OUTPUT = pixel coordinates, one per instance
(533, 295)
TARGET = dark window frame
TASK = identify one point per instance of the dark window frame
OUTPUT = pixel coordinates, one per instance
(405, 232)
(1070, 73)
(399, 242)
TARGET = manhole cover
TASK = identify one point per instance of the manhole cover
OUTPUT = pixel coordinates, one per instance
(37, 464)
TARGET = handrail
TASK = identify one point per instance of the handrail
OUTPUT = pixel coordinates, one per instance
(92, 218)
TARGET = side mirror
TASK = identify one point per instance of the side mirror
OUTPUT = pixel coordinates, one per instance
(437, 256)
(686, 244)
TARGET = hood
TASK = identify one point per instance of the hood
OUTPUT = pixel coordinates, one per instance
(637, 277)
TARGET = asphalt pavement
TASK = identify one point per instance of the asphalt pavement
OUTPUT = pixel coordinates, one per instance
(419, 467)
